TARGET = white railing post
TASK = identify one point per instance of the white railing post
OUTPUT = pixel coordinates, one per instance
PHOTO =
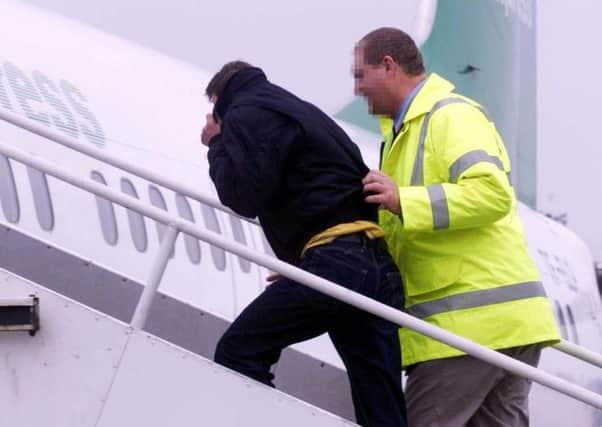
(156, 273)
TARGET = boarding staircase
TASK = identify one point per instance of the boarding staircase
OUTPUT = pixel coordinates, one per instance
(86, 367)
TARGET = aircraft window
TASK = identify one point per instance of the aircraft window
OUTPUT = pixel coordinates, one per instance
(239, 236)
(561, 322)
(193, 247)
(136, 221)
(106, 213)
(210, 218)
(41, 198)
(8, 191)
(157, 200)
(573, 324)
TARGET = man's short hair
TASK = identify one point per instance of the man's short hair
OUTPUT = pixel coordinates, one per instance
(220, 79)
(395, 43)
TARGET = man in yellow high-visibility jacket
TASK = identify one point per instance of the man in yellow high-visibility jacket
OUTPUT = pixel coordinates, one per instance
(452, 227)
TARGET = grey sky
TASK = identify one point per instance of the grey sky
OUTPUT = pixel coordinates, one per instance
(307, 46)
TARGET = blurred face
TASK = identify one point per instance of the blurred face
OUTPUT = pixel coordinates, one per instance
(371, 83)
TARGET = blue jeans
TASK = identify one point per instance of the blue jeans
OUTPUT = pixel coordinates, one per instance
(287, 313)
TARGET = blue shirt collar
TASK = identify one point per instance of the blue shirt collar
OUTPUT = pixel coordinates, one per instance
(406, 105)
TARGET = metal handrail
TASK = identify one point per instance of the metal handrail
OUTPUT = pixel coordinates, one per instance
(579, 352)
(103, 156)
(566, 347)
(315, 282)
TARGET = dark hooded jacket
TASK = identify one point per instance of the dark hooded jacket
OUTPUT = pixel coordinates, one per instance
(284, 161)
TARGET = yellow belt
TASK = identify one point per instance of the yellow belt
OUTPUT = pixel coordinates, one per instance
(371, 229)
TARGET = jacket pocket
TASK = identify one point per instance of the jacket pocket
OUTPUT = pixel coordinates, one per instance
(430, 275)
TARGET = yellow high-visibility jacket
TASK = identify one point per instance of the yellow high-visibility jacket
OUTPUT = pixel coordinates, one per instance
(459, 243)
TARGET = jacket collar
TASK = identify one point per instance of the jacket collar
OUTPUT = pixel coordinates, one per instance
(435, 87)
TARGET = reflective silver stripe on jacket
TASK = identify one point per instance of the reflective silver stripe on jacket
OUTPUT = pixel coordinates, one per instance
(418, 172)
(478, 299)
(438, 206)
(436, 192)
(467, 160)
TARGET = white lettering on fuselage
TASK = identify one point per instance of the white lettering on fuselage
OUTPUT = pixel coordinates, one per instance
(57, 104)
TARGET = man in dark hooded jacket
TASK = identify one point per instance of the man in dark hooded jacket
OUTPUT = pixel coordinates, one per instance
(276, 157)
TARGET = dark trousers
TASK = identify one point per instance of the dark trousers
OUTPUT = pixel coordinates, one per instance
(287, 313)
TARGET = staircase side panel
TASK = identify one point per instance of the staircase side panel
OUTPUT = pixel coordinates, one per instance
(161, 385)
(61, 376)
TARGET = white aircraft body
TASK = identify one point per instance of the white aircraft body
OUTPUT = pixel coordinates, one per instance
(140, 105)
